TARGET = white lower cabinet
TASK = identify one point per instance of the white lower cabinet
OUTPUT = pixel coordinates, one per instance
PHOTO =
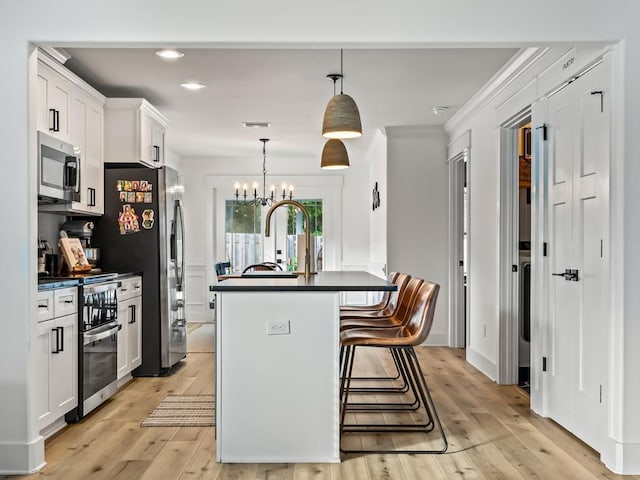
(57, 358)
(130, 317)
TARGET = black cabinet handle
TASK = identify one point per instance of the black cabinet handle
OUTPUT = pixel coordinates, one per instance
(156, 153)
(57, 350)
(92, 197)
(133, 314)
(52, 120)
(61, 329)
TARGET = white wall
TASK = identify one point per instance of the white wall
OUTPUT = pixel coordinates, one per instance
(377, 159)
(361, 23)
(417, 212)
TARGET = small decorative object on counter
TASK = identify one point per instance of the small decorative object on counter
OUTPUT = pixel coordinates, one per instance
(73, 255)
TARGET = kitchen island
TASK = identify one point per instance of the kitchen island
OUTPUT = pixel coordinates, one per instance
(277, 366)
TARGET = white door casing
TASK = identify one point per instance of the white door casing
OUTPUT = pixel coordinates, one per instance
(577, 181)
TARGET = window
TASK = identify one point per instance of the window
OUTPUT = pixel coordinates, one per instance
(243, 234)
(295, 235)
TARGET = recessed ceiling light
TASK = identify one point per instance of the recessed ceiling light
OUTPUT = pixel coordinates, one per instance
(192, 85)
(256, 124)
(169, 53)
(440, 110)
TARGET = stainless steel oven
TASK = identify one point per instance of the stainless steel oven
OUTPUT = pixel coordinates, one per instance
(98, 346)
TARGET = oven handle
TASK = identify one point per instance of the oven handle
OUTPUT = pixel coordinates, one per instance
(103, 287)
(101, 333)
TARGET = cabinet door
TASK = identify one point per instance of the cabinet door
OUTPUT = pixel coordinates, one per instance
(43, 347)
(64, 366)
(54, 103)
(124, 311)
(146, 153)
(88, 125)
(157, 144)
(134, 341)
(94, 157)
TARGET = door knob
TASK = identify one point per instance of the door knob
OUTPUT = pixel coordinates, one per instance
(568, 274)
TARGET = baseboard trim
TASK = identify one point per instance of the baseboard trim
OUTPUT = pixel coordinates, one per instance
(482, 363)
(437, 339)
(22, 458)
(622, 458)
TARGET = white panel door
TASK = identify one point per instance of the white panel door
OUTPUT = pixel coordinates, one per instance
(577, 181)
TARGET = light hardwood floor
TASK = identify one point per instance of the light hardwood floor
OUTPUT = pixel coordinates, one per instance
(492, 435)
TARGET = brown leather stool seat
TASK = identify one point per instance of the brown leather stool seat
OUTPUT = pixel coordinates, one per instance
(412, 330)
(384, 301)
(391, 306)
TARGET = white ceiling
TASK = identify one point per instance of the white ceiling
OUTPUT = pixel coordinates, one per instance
(289, 88)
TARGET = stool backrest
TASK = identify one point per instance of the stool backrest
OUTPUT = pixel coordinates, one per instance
(407, 299)
(420, 319)
(386, 296)
(395, 296)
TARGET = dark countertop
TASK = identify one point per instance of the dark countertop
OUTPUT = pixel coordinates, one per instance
(320, 282)
(64, 281)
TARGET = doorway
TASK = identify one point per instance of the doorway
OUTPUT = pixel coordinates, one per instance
(459, 255)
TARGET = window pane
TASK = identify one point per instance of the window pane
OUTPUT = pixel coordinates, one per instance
(295, 238)
(243, 236)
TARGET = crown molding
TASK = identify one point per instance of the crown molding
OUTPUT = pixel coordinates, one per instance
(504, 77)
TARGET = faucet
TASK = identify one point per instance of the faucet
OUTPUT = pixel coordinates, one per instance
(307, 230)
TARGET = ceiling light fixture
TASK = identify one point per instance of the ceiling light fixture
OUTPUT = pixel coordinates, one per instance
(256, 124)
(334, 155)
(169, 53)
(263, 199)
(192, 85)
(341, 117)
(437, 111)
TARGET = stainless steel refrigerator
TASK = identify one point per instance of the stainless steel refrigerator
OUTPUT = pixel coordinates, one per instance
(142, 231)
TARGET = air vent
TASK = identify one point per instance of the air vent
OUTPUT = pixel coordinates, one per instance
(256, 124)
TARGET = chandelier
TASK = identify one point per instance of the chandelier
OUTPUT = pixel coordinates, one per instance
(244, 197)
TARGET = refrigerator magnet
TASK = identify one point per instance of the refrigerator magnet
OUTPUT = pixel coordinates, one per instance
(131, 197)
(120, 185)
(144, 185)
(126, 185)
(148, 197)
(147, 219)
(123, 196)
(128, 220)
(139, 197)
(135, 185)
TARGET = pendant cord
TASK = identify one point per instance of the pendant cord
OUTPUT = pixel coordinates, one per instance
(341, 75)
(264, 168)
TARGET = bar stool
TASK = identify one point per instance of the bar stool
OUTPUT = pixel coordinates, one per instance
(401, 339)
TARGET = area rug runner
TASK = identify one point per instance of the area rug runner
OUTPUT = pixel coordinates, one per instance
(183, 411)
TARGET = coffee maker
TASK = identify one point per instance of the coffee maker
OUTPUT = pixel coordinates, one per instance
(83, 230)
(46, 265)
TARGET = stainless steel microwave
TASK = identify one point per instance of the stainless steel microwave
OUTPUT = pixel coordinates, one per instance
(58, 171)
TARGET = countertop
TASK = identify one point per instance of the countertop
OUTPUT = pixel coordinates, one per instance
(320, 282)
(56, 282)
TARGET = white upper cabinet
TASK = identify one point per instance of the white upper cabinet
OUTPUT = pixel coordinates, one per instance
(134, 132)
(88, 122)
(73, 111)
(54, 103)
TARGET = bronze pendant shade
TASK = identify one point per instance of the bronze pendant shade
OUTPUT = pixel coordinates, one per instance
(341, 118)
(334, 155)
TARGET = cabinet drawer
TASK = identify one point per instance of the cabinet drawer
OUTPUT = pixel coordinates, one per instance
(129, 288)
(65, 301)
(45, 305)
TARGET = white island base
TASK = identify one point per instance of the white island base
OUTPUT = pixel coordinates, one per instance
(277, 392)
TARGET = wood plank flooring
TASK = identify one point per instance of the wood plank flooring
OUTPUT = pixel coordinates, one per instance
(492, 435)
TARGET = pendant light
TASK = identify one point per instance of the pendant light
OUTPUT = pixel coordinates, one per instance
(341, 117)
(334, 155)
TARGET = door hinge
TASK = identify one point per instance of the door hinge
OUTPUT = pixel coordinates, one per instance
(461, 263)
(544, 364)
(601, 93)
(514, 268)
(545, 249)
(544, 131)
